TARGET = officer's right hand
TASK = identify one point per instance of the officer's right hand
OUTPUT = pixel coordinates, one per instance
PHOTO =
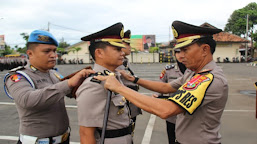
(111, 82)
(79, 77)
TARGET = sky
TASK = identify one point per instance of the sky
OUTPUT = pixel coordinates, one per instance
(71, 20)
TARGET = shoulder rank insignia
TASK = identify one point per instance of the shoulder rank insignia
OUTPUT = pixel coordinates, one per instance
(95, 80)
(59, 76)
(167, 67)
(15, 77)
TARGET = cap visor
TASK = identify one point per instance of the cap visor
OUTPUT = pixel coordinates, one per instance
(183, 44)
(117, 44)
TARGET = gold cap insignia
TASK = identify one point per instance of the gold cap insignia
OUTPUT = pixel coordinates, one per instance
(175, 33)
(122, 33)
(43, 38)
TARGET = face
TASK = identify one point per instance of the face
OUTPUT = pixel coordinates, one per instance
(192, 56)
(149, 40)
(43, 56)
(112, 56)
(127, 49)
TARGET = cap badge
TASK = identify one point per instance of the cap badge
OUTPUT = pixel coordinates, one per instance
(175, 33)
(43, 38)
(122, 33)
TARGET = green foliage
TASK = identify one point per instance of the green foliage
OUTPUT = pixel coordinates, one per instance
(63, 44)
(7, 51)
(153, 49)
(237, 21)
(134, 50)
(25, 36)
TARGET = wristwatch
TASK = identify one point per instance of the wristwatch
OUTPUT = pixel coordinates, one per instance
(136, 79)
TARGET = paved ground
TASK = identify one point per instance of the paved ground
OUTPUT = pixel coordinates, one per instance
(239, 124)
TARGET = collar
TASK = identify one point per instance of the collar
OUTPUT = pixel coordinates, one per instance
(208, 67)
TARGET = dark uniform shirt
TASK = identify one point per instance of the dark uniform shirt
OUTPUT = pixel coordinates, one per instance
(41, 110)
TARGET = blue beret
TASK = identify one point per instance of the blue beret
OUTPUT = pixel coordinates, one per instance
(43, 37)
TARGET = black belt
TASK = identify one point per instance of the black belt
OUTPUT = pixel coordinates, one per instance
(136, 87)
(117, 133)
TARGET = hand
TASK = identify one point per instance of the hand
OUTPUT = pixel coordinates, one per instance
(127, 76)
(111, 82)
(79, 77)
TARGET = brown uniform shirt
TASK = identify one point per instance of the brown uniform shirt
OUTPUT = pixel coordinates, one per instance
(202, 127)
(91, 101)
(169, 74)
(133, 109)
(42, 110)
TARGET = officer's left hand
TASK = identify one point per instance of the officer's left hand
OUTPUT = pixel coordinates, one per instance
(111, 82)
(79, 77)
(127, 76)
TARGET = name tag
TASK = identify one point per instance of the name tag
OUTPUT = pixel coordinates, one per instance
(43, 141)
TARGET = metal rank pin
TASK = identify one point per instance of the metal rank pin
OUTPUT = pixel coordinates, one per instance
(120, 111)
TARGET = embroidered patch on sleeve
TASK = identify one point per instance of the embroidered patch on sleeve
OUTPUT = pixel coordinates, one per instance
(15, 77)
(190, 95)
(162, 74)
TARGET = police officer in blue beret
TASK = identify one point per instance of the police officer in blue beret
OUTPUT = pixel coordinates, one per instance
(200, 95)
(39, 94)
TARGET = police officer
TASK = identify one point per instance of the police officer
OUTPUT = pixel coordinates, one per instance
(200, 94)
(126, 66)
(168, 74)
(105, 48)
(39, 94)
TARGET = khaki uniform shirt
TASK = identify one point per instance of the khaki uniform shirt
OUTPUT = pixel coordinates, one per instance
(41, 110)
(91, 101)
(134, 110)
(202, 127)
(169, 74)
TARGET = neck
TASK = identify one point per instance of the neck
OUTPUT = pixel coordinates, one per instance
(206, 60)
(111, 68)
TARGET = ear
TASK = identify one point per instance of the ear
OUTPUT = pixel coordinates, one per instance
(206, 49)
(99, 53)
(29, 53)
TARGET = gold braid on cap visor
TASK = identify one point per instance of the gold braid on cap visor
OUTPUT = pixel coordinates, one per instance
(114, 42)
(127, 40)
(186, 41)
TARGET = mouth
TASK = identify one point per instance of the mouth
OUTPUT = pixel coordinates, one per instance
(52, 61)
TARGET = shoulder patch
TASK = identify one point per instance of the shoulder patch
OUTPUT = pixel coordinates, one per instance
(162, 74)
(190, 95)
(15, 77)
(167, 67)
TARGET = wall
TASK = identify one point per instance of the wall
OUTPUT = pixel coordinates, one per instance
(229, 50)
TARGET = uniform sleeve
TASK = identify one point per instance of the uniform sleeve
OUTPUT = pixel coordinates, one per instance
(91, 103)
(216, 94)
(29, 98)
(177, 83)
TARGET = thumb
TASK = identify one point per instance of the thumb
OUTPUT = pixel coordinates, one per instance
(101, 78)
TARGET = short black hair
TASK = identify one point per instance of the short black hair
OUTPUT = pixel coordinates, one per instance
(208, 40)
(95, 45)
(31, 45)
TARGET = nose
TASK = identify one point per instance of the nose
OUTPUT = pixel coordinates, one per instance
(53, 54)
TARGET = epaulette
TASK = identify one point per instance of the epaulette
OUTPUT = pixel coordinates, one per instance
(95, 74)
(167, 67)
(205, 71)
(17, 68)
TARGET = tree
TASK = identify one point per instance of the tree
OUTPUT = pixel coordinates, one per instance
(237, 21)
(75, 49)
(25, 36)
(6, 51)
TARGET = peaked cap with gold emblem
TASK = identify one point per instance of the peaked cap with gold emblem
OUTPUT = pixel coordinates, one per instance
(187, 34)
(113, 35)
(42, 37)
(127, 35)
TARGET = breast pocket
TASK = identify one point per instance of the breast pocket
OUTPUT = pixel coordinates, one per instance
(119, 103)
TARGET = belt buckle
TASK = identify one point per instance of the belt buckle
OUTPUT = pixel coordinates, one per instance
(65, 136)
